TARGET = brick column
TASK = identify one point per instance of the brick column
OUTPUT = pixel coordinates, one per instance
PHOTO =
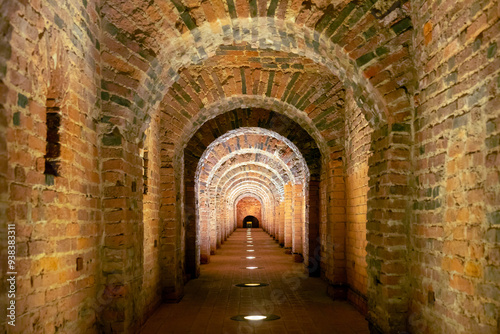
(312, 256)
(172, 236)
(281, 223)
(298, 219)
(388, 222)
(204, 226)
(336, 219)
(275, 220)
(288, 210)
(213, 226)
(122, 258)
(192, 268)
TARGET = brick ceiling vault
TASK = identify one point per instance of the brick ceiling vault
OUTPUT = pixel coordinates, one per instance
(254, 117)
(166, 50)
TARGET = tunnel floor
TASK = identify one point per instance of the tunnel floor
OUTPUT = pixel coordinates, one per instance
(211, 300)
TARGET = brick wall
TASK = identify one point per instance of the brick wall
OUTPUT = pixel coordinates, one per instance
(357, 151)
(248, 207)
(87, 259)
(455, 232)
(4, 123)
(52, 63)
(332, 228)
(151, 220)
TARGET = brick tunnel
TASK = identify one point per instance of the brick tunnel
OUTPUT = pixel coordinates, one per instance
(361, 139)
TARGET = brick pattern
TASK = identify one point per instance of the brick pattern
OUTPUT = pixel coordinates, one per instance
(174, 76)
(456, 234)
(123, 232)
(388, 217)
(248, 207)
(248, 160)
(173, 251)
(333, 218)
(275, 75)
(312, 253)
(151, 220)
(214, 128)
(362, 43)
(357, 148)
(55, 218)
(288, 216)
(4, 123)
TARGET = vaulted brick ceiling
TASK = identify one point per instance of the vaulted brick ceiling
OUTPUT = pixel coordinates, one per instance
(249, 160)
(253, 117)
(191, 56)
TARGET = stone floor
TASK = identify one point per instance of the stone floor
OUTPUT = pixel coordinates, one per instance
(211, 300)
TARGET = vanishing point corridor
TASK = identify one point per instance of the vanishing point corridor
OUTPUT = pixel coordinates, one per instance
(358, 139)
(300, 301)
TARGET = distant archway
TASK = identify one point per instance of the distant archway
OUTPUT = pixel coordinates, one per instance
(250, 221)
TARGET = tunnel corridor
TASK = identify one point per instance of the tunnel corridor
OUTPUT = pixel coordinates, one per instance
(362, 135)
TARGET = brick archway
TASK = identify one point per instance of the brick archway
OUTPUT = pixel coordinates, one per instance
(250, 221)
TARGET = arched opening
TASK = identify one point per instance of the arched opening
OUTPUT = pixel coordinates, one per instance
(219, 179)
(250, 222)
(393, 105)
(248, 207)
(252, 172)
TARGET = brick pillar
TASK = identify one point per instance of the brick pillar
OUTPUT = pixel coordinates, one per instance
(334, 269)
(312, 257)
(192, 268)
(298, 219)
(281, 223)
(204, 225)
(288, 210)
(172, 236)
(388, 223)
(214, 228)
(275, 220)
(221, 218)
(122, 258)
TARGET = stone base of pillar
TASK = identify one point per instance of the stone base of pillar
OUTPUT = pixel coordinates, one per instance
(170, 295)
(313, 268)
(288, 250)
(298, 258)
(337, 291)
(359, 300)
(204, 259)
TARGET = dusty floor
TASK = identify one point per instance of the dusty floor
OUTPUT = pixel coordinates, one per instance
(211, 300)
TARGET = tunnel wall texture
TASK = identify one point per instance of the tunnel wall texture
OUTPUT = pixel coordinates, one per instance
(248, 207)
(401, 99)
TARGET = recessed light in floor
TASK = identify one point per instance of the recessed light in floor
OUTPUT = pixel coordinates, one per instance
(250, 250)
(250, 257)
(251, 268)
(255, 317)
(259, 317)
(251, 285)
